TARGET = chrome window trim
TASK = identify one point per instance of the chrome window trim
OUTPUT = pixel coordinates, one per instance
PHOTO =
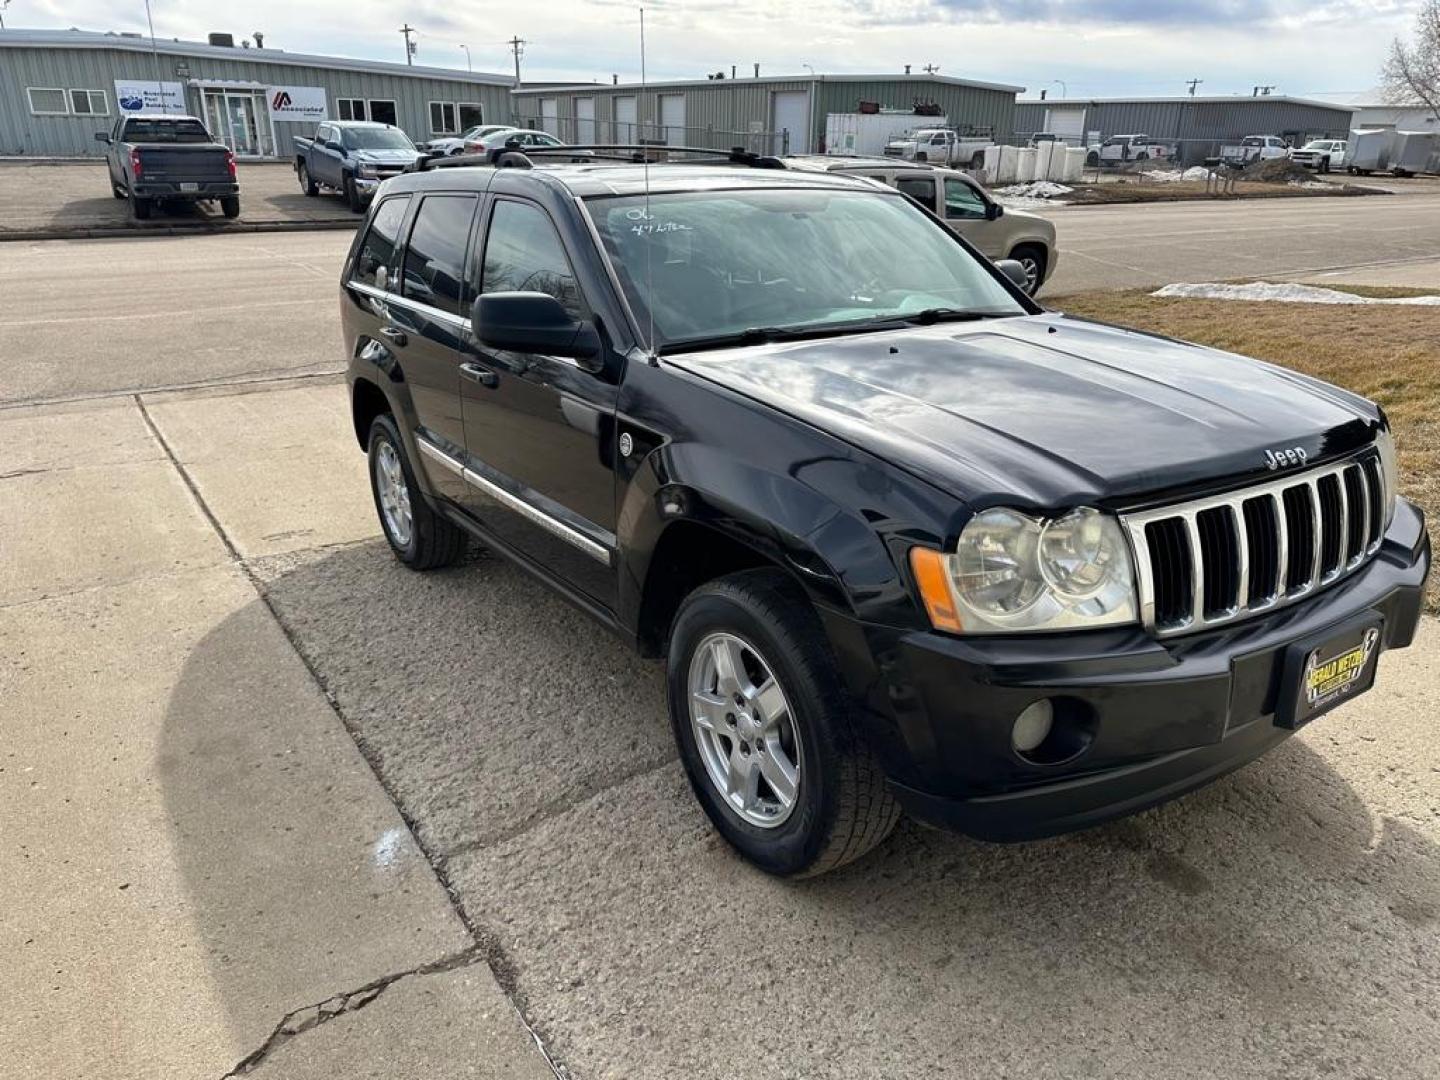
(597, 551)
(1285, 591)
(439, 315)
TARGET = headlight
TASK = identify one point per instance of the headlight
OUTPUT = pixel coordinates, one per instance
(1011, 572)
(369, 172)
(1389, 473)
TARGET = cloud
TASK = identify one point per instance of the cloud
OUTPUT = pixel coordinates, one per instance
(1131, 13)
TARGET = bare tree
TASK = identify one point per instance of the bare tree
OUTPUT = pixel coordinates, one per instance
(1412, 73)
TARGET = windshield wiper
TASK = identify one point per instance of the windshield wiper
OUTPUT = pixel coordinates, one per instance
(949, 314)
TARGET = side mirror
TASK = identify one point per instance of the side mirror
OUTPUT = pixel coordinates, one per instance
(994, 211)
(534, 322)
(1013, 270)
(331, 144)
(103, 136)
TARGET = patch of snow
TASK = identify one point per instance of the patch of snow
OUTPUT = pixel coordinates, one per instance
(1171, 176)
(1036, 189)
(1312, 184)
(1286, 293)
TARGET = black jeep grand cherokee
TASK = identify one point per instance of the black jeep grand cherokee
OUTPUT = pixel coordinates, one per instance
(905, 539)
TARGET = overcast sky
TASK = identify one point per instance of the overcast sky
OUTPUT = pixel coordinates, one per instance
(1097, 47)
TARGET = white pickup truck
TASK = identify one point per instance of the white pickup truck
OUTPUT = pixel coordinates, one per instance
(940, 146)
(1254, 148)
(1119, 149)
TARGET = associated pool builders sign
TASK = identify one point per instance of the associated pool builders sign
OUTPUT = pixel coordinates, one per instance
(142, 95)
(297, 103)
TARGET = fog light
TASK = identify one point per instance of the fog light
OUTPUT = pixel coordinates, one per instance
(1033, 726)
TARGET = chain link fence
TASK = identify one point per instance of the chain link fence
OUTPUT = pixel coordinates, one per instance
(584, 131)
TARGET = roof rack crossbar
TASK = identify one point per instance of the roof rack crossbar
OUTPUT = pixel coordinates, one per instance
(633, 153)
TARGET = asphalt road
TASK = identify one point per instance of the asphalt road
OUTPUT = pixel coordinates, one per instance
(1284, 921)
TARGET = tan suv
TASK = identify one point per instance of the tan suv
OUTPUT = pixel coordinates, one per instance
(963, 204)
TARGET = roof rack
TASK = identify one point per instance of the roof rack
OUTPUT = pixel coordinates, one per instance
(631, 153)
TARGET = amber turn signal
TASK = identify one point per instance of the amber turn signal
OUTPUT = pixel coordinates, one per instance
(933, 578)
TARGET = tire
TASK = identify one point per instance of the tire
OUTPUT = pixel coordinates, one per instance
(308, 186)
(1092, 158)
(118, 191)
(1324, 165)
(1034, 259)
(977, 161)
(352, 196)
(230, 206)
(419, 536)
(922, 156)
(839, 804)
(140, 207)
(1352, 170)
(1142, 156)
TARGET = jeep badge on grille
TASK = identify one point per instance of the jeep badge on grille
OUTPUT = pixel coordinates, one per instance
(1279, 459)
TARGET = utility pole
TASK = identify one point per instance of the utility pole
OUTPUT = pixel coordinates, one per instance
(931, 69)
(517, 46)
(1261, 91)
(407, 30)
(1193, 83)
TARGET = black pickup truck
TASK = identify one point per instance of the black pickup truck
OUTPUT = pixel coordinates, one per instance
(169, 159)
(903, 538)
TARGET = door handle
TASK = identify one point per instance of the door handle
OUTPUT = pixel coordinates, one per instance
(394, 336)
(482, 375)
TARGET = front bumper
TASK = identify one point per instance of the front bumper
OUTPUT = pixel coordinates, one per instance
(1168, 716)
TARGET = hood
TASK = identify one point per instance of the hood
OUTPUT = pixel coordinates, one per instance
(1047, 411)
(386, 157)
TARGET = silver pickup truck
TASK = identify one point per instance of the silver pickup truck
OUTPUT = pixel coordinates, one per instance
(160, 159)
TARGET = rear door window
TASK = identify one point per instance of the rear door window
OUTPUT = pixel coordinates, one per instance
(435, 256)
(919, 188)
(375, 261)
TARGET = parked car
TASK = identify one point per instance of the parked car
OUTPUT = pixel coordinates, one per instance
(1120, 149)
(466, 142)
(903, 539)
(513, 138)
(166, 159)
(940, 146)
(963, 204)
(1254, 148)
(353, 157)
(1322, 155)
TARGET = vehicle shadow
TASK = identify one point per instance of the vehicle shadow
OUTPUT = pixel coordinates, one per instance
(1270, 923)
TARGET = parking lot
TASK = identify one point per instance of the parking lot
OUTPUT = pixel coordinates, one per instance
(259, 766)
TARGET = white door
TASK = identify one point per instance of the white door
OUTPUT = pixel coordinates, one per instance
(625, 115)
(790, 112)
(550, 115)
(1066, 123)
(585, 120)
(672, 119)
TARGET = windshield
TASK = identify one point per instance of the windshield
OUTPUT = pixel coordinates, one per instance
(725, 262)
(497, 139)
(376, 139)
(158, 130)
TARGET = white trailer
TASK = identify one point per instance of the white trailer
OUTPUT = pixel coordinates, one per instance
(866, 134)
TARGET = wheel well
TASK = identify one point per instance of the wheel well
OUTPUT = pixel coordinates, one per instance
(1037, 250)
(367, 401)
(686, 557)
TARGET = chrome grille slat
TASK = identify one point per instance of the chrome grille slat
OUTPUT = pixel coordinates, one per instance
(1175, 547)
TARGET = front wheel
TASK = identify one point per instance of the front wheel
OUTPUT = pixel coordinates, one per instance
(420, 537)
(767, 731)
(352, 196)
(230, 205)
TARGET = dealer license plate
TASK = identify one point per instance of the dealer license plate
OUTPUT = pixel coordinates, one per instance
(1322, 675)
(189, 187)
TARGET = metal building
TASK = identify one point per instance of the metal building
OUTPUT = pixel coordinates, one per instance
(59, 87)
(774, 114)
(1198, 126)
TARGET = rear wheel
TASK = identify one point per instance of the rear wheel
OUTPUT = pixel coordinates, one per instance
(307, 185)
(1033, 259)
(118, 191)
(977, 160)
(767, 730)
(230, 206)
(420, 538)
(1092, 158)
(140, 206)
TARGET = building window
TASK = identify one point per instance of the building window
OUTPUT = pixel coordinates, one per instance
(89, 103)
(383, 112)
(471, 115)
(349, 108)
(442, 118)
(44, 102)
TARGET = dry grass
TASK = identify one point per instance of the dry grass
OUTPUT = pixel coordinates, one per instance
(1137, 191)
(1389, 354)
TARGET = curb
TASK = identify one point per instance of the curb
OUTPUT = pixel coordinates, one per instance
(110, 232)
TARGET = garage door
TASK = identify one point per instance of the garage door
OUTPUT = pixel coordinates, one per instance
(625, 121)
(549, 114)
(585, 120)
(672, 119)
(791, 112)
(1067, 122)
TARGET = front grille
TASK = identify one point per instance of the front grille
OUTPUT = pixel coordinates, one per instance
(1218, 559)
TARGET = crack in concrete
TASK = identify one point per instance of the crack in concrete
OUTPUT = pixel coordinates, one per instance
(308, 1017)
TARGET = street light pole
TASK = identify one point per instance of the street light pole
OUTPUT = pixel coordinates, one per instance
(468, 66)
(1064, 90)
(810, 115)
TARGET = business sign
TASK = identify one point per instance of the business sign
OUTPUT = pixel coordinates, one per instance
(145, 95)
(298, 103)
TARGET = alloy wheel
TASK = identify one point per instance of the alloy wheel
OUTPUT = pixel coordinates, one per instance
(744, 729)
(394, 494)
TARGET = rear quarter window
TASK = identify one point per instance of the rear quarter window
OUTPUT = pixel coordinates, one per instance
(377, 250)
